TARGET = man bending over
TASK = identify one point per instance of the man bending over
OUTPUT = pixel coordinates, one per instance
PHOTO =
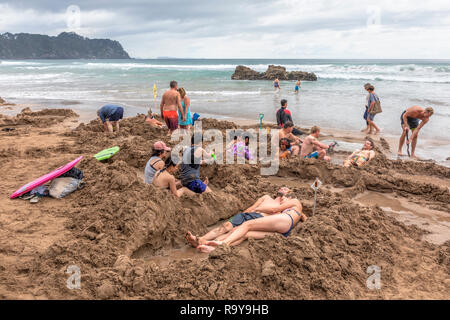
(410, 119)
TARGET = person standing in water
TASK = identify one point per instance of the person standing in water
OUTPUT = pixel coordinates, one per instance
(297, 86)
(276, 85)
(373, 98)
(410, 120)
(186, 104)
(170, 102)
(366, 87)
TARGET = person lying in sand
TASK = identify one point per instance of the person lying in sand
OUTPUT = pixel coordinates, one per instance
(263, 207)
(150, 119)
(164, 179)
(410, 119)
(284, 223)
(286, 133)
(312, 148)
(361, 157)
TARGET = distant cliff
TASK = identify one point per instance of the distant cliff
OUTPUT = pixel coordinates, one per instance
(67, 45)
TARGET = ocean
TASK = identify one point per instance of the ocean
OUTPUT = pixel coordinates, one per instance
(336, 100)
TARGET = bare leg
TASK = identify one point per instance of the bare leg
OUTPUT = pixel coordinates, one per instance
(117, 126)
(413, 149)
(215, 233)
(276, 223)
(295, 150)
(257, 235)
(376, 128)
(185, 191)
(401, 143)
(108, 127)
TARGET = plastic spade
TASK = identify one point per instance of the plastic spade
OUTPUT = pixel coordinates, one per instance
(261, 117)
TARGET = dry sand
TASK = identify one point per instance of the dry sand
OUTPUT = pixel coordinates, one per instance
(127, 237)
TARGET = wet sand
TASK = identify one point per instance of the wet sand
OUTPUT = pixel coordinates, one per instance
(128, 237)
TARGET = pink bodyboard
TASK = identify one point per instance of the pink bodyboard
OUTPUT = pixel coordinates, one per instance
(49, 176)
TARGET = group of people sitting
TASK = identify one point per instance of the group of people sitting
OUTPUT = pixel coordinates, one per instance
(160, 169)
(291, 145)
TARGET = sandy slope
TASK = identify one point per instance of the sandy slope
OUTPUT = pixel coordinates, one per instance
(127, 237)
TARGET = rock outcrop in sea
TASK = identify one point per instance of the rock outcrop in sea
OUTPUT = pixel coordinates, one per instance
(67, 45)
(272, 73)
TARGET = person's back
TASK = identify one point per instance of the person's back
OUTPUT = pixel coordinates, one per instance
(190, 166)
(283, 115)
(150, 169)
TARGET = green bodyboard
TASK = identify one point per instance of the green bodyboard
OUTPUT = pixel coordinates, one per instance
(106, 154)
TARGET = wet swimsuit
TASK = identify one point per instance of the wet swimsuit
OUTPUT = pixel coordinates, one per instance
(314, 154)
(357, 157)
(276, 84)
(171, 119)
(296, 88)
(413, 123)
(286, 234)
(188, 116)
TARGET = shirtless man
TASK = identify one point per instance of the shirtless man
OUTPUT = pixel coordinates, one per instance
(286, 133)
(361, 157)
(170, 102)
(410, 119)
(263, 207)
(312, 148)
(164, 179)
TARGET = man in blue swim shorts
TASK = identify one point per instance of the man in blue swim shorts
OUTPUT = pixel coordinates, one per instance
(110, 114)
(312, 148)
(190, 166)
(251, 213)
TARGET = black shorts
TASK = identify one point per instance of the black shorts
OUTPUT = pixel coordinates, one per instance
(116, 116)
(240, 218)
(413, 123)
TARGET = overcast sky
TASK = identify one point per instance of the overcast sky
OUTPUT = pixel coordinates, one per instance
(246, 28)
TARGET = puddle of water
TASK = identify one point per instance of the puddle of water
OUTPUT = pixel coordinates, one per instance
(287, 181)
(434, 221)
(168, 256)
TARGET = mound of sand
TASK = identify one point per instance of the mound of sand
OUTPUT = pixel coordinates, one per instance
(126, 236)
(40, 119)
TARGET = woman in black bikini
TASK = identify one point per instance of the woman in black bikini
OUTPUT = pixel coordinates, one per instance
(257, 229)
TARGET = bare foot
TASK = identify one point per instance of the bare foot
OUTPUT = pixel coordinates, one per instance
(193, 241)
(378, 132)
(400, 154)
(206, 181)
(213, 243)
(205, 249)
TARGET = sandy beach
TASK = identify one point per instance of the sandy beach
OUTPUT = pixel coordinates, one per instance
(128, 239)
